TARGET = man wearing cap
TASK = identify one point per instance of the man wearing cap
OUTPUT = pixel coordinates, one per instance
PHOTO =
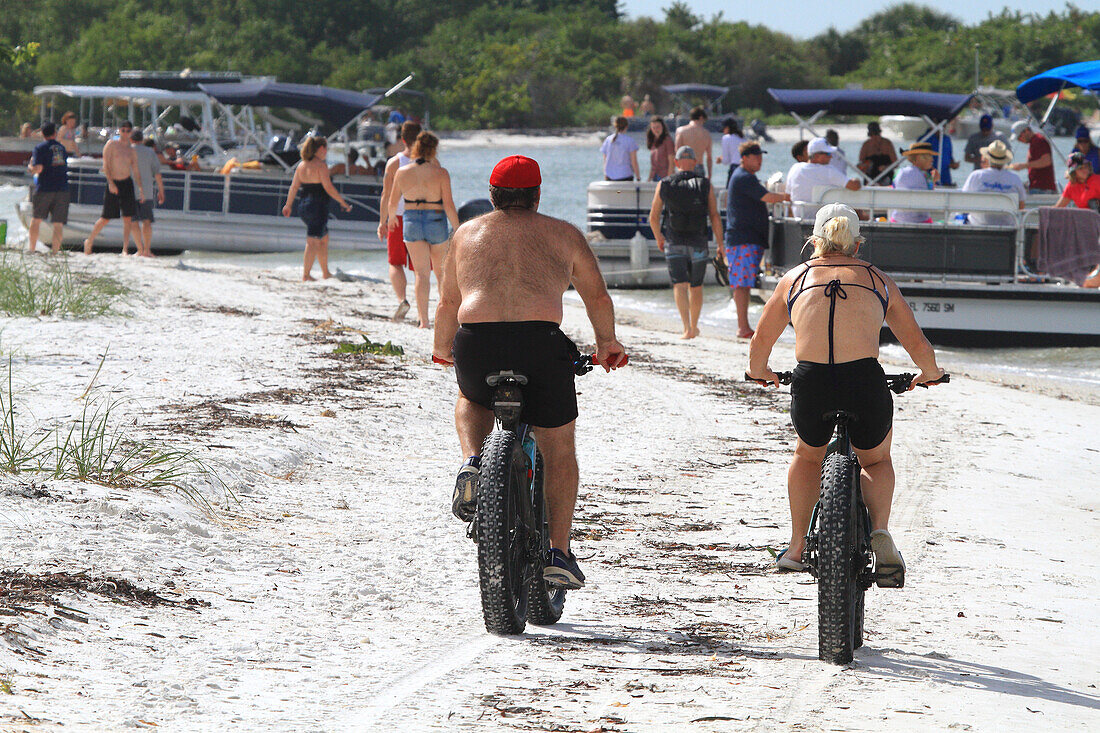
(1040, 160)
(1085, 147)
(500, 307)
(984, 137)
(695, 135)
(919, 175)
(995, 179)
(687, 200)
(747, 229)
(877, 154)
(51, 188)
(804, 177)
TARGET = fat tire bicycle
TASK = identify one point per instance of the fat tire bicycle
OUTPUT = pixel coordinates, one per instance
(511, 526)
(838, 543)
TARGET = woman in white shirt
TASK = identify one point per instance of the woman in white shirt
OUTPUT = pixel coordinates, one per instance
(731, 141)
(620, 154)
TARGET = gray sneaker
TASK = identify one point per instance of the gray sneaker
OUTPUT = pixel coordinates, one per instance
(464, 501)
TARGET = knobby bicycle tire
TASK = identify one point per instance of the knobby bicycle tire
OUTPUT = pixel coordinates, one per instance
(544, 603)
(501, 540)
(839, 592)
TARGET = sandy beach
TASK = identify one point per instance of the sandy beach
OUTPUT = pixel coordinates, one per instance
(328, 588)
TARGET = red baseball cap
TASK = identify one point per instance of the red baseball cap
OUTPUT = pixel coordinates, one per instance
(516, 171)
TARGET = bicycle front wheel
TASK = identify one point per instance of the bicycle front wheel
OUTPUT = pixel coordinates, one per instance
(501, 536)
(839, 592)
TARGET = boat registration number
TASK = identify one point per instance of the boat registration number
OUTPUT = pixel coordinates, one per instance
(932, 306)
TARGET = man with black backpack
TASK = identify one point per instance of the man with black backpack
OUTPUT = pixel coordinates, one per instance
(687, 200)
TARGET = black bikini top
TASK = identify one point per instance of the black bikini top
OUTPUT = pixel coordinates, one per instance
(835, 289)
(422, 161)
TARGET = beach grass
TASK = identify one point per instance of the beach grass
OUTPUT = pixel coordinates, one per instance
(369, 347)
(93, 448)
(34, 286)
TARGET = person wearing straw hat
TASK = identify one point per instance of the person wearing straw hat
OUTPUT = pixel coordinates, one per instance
(919, 175)
(995, 179)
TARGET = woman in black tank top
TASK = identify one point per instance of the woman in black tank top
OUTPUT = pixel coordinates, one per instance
(837, 305)
(312, 178)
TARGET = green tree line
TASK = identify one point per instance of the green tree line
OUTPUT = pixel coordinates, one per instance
(524, 63)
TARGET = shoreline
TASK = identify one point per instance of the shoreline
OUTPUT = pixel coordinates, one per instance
(338, 569)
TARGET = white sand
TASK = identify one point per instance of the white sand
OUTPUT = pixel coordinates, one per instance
(343, 595)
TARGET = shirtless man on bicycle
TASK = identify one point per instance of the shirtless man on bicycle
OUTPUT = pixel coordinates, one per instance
(500, 307)
(837, 304)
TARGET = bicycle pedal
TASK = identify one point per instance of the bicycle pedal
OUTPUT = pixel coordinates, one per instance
(893, 578)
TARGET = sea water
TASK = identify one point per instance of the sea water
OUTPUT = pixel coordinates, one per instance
(568, 165)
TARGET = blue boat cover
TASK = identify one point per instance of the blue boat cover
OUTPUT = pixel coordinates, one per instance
(706, 89)
(336, 106)
(1084, 74)
(937, 107)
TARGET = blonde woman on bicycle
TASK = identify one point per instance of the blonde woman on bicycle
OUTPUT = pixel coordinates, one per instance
(837, 304)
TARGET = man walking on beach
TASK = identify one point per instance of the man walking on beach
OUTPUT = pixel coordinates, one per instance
(396, 253)
(51, 190)
(503, 281)
(747, 229)
(119, 164)
(695, 135)
(688, 201)
(149, 166)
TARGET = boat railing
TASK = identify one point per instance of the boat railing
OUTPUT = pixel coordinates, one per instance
(940, 250)
(210, 193)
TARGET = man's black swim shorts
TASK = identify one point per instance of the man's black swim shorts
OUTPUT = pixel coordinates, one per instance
(858, 387)
(536, 349)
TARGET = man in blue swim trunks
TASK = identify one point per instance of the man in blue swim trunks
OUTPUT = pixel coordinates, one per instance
(747, 229)
(500, 307)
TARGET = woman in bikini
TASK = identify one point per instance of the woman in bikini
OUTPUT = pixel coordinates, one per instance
(425, 187)
(66, 135)
(837, 304)
(312, 177)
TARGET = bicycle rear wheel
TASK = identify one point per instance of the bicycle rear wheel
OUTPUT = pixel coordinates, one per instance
(839, 591)
(544, 603)
(501, 536)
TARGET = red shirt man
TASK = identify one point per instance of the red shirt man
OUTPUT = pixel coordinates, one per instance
(1040, 161)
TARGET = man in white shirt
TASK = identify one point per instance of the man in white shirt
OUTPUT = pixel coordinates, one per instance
(995, 179)
(804, 177)
(839, 160)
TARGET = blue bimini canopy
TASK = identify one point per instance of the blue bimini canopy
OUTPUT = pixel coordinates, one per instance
(1084, 74)
(935, 106)
(336, 106)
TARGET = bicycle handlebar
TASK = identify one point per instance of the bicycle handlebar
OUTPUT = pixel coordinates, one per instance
(897, 383)
(581, 367)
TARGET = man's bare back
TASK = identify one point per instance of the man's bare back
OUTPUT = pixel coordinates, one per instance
(698, 139)
(118, 159)
(514, 265)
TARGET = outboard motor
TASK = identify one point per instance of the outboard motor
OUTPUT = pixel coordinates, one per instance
(283, 147)
(474, 208)
(760, 130)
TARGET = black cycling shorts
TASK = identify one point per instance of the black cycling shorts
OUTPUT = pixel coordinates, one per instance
(858, 387)
(536, 349)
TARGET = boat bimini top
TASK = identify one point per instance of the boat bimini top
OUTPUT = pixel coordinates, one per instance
(934, 108)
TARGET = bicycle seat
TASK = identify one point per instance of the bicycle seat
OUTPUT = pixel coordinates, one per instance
(837, 416)
(497, 377)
